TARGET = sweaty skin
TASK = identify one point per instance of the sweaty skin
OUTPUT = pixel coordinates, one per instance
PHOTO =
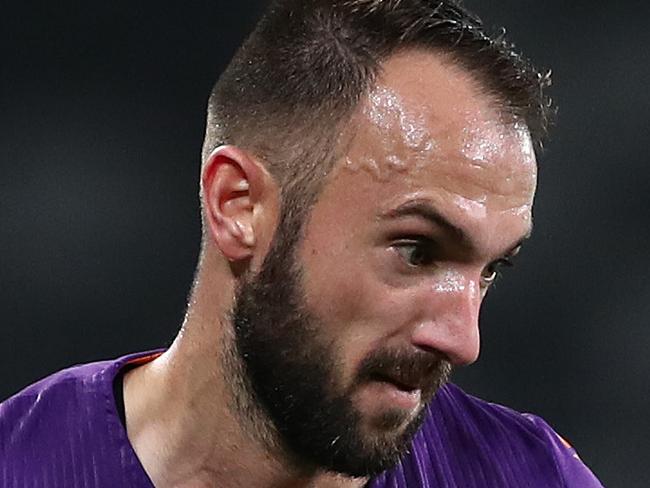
(465, 147)
(426, 136)
(449, 147)
(405, 143)
(384, 110)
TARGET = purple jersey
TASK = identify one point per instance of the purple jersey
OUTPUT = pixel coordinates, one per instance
(65, 432)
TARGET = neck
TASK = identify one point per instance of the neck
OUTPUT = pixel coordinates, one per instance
(180, 415)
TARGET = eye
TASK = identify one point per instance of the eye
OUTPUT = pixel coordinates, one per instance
(493, 271)
(419, 252)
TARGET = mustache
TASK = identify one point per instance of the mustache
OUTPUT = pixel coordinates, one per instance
(410, 370)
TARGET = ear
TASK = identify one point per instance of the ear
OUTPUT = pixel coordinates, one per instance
(237, 192)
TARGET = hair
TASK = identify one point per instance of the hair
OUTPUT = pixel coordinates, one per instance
(289, 90)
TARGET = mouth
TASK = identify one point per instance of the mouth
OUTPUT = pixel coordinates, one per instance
(402, 384)
(396, 393)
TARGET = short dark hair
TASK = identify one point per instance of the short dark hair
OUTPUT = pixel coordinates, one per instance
(299, 76)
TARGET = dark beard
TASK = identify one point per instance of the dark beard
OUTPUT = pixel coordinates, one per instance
(286, 378)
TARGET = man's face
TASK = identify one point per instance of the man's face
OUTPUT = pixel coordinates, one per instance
(352, 325)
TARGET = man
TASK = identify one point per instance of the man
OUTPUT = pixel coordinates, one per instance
(368, 166)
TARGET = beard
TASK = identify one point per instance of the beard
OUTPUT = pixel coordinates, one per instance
(286, 376)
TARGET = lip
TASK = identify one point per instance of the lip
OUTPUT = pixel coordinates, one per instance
(397, 393)
(397, 396)
(398, 383)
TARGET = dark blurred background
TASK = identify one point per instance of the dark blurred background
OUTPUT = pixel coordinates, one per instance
(101, 123)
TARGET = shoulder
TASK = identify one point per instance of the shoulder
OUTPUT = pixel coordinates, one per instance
(52, 402)
(63, 427)
(468, 442)
(47, 423)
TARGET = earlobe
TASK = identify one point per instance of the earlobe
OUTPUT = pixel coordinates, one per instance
(227, 180)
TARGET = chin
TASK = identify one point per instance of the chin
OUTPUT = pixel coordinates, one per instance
(383, 438)
(387, 427)
(392, 421)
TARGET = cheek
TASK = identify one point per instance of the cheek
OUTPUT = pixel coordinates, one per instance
(359, 311)
(339, 287)
(355, 298)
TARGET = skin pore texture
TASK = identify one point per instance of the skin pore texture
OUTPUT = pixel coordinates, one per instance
(366, 305)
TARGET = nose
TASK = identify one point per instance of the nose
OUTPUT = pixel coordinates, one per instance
(448, 322)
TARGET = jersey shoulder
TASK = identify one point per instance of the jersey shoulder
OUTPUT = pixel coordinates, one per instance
(64, 431)
(41, 409)
(468, 442)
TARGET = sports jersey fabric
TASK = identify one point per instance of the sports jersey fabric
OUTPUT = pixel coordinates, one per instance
(65, 432)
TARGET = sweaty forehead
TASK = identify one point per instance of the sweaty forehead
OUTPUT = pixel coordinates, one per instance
(427, 121)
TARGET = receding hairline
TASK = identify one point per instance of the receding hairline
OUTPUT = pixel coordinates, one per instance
(295, 84)
(448, 61)
(446, 58)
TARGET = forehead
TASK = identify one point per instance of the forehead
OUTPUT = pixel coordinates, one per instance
(427, 131)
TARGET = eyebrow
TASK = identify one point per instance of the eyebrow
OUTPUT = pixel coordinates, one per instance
(425, 210)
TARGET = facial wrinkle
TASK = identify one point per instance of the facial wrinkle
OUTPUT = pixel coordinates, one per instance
(500, 185)
(475, 209)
